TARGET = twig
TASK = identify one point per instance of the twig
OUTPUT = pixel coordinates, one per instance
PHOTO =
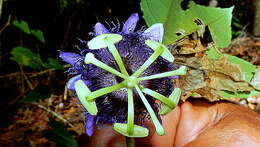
(31, 75)
(65, 94)
(26, 78)
(15, 74)
(54, 114)
(7, 23)
(1, 5)
(41, 73)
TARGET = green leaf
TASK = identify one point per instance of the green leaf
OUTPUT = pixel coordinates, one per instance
(53, 63)
(213, 53)
(229, 95)
(34, 96)
(245, 66)
(60, 135)
(179, 23)
(38, 34)
(23, 25)
(26, 57)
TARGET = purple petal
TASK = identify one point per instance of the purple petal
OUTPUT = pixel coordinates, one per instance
(100, 29)
(70, 58)
(89, 124)
(71, 82)
(155, 32)
(130, 24)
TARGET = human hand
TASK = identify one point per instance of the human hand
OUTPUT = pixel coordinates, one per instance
(196, 123)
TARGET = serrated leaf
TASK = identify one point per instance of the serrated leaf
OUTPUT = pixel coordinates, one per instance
(53, 63)
(60, 135)
(179, 23)
(23, 25)
(26, 57)
(38, 34)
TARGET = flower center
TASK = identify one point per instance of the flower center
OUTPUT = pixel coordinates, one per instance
(131, 82)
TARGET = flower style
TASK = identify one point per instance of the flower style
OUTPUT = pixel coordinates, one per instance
(120, 74)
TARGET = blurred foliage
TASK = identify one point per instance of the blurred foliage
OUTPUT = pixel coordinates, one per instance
(60, 135)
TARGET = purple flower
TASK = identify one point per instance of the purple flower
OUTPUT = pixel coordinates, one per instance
(112, 107)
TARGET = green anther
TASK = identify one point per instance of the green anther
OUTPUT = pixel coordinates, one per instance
(181, 71)
(90, 58)
(138, 130)
(158, 96)
(149, 61)
(174, 97)
(158, 127)
(166, 54)
(109, 41)
(130, 117)
(106, 90)
(100, 41)
(83, 93)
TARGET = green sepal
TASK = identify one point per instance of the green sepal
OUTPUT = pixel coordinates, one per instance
(101, 41)
(83, 92)
(166, 54)
(138, 130)
(175, 98)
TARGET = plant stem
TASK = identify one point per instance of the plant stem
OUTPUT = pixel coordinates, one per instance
(130, 142)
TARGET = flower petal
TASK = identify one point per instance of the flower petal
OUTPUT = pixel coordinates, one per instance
(130, 24)
(155, 32)
(68, 57)
(100, 29)
(89, 124)
(71, 82)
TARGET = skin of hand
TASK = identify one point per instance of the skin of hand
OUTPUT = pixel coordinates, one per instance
(195, 123)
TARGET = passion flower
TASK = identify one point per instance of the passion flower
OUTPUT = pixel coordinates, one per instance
(121, 75)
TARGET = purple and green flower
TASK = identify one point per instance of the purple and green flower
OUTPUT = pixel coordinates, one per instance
(121, 75)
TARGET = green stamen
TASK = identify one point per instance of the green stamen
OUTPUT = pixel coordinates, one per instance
(130, 117)
(174, 97)
(149, 61)
(106, 90)
(157, 124)
(90, 58)
(158, 96)
(117, 56)
(180, 71)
